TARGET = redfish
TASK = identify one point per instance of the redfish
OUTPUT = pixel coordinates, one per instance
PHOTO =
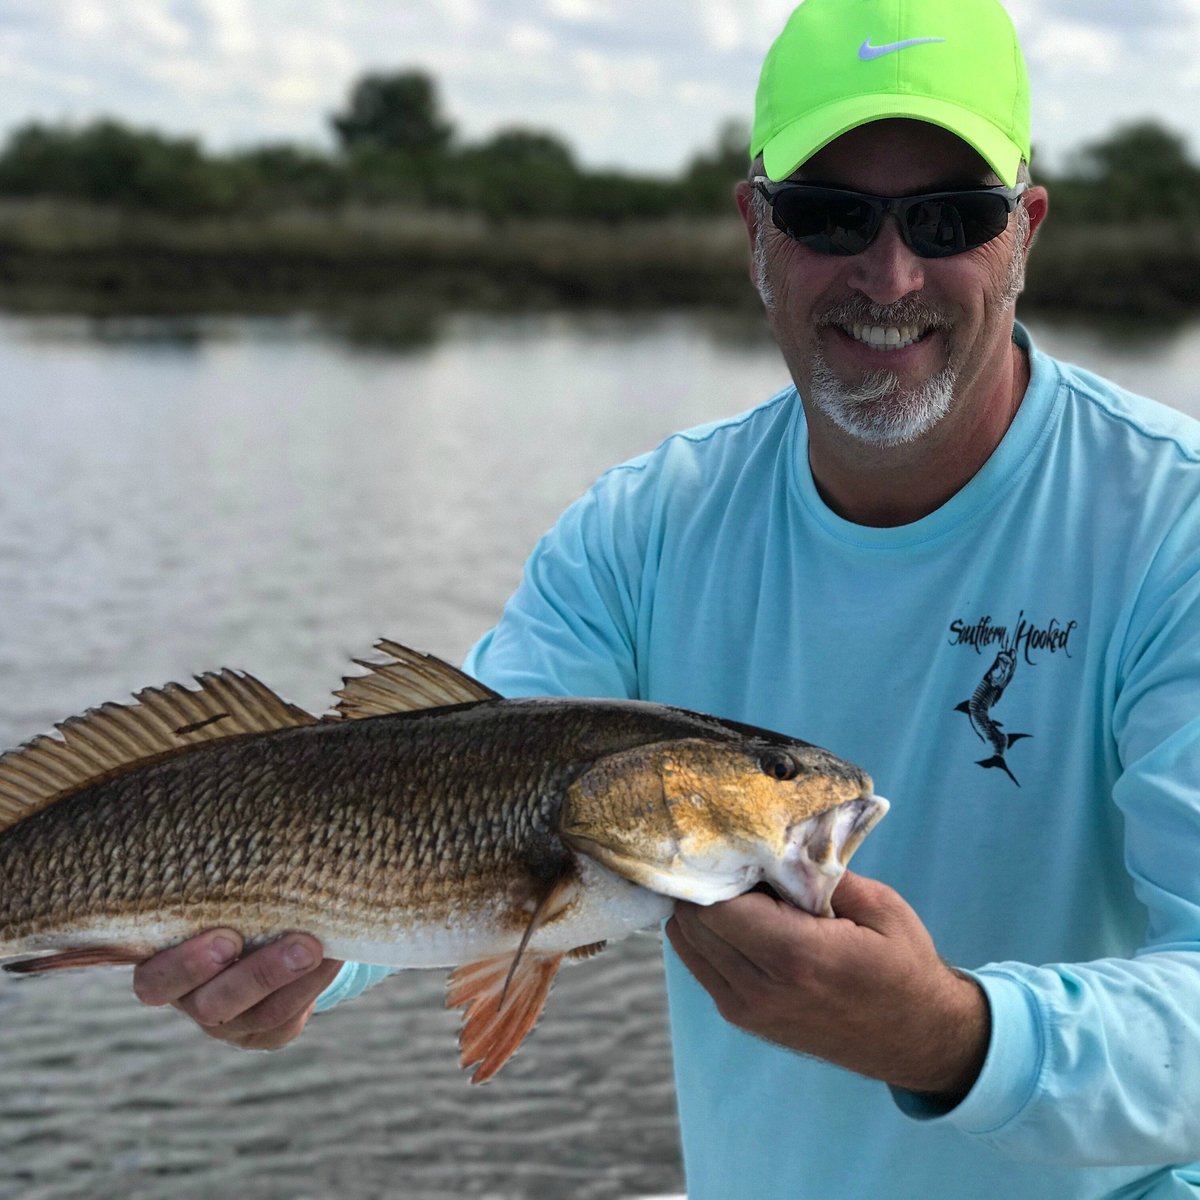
(426, 822)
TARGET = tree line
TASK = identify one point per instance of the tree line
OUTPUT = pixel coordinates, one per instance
(395, 145)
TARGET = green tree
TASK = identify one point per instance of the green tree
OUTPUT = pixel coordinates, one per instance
(284, 174)
(515, 173)
(399, 112)
(530, 149)
(1141, 171)
(710, 177)
(109, 163)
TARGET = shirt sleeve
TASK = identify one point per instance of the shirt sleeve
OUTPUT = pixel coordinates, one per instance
(567, 631)
(1098, 1063)
(351, 981)
(570, 629)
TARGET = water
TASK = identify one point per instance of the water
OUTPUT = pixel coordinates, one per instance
(274, 495)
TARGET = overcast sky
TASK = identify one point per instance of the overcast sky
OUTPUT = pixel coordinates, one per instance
(638, 84)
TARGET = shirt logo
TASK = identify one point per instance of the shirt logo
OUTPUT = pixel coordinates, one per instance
(1024, 642)
(867, 52)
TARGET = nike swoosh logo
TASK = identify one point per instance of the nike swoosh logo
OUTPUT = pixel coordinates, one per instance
(867, 52)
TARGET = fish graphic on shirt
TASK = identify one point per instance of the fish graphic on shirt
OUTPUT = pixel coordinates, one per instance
(979, 709)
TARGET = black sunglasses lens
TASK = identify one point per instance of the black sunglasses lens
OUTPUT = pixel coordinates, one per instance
(940, 227)
(825, 221)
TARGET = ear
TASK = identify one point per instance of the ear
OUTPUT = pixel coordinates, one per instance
(1037, 204)
(743, 193)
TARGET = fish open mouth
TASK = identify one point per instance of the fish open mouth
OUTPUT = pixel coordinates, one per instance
(819, 849)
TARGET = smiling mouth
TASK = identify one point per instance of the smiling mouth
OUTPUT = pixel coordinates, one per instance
(886, 337)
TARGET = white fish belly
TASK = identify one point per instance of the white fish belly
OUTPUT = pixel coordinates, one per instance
(605, 907)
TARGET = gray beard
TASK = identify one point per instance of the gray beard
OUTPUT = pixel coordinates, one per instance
(877, 411)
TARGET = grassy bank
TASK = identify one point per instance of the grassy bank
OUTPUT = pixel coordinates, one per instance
(55, 255)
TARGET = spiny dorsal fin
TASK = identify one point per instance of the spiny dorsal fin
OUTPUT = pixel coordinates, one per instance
(408, 681)
(116, 737)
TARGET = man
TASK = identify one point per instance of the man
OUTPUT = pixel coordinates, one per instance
(945, 556)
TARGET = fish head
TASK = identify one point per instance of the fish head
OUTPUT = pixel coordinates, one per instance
(705, 820)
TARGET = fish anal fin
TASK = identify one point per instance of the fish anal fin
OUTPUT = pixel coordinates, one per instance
(113, 738)
(491, 1033)
(407, 682)
(1016, 737)
(582, 952)
(66, 960)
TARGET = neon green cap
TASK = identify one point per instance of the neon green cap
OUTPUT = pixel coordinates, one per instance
(839, 64)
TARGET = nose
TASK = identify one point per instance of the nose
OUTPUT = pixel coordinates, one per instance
(887, 270)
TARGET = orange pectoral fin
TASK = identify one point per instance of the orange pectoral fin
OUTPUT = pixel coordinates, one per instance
(90, 956)
(491, 1031)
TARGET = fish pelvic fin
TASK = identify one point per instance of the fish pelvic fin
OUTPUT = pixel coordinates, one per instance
(407, 681)
(552, 903)
(112, 739)
(88, 956)
(491, 1032)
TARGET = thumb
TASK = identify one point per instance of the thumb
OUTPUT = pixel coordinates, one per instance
(868, 902)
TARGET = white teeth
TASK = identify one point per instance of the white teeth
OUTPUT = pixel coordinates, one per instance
(886, 337)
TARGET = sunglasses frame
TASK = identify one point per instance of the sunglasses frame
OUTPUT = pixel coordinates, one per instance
(881, 206)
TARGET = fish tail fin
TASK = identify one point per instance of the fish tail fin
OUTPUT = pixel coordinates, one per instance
(114, 738)
(1016, 737)
(502, 1003)
(997, 760)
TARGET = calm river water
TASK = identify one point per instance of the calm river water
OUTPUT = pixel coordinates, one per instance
(274, 495)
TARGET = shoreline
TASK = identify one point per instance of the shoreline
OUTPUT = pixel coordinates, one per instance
(59, 257)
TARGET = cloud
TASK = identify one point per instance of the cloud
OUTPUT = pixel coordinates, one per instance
(1064, 48)
(625, 82)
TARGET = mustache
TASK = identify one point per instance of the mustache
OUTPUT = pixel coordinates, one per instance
(910, 310)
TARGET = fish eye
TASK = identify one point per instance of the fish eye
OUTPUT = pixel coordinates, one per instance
(779, 765)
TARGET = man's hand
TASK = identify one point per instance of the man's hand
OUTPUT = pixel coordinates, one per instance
(865, 990)
(259, 1002)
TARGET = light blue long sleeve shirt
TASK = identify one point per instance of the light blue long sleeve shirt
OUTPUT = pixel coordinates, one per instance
(1020, 672)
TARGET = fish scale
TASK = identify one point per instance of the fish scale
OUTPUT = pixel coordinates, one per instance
(492, 836)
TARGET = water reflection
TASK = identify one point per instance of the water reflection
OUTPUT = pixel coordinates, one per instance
(273, 493)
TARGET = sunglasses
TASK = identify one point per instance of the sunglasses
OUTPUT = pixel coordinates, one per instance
(935, 225)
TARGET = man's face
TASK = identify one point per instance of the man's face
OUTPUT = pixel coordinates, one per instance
(953, 316)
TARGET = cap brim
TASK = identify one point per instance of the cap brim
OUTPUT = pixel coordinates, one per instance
(794, 144)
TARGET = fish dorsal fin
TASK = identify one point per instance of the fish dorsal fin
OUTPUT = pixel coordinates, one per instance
(113, 738)
(408, 681)
(491, 1033)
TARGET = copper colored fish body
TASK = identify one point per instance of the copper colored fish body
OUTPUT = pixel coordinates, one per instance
(428, 823)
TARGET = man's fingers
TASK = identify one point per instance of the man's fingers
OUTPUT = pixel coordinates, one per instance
(705, 972)
(273, 1039)
(705, 930)
(764, 933)
(173, 973)
(869, 903)
(251, 979)
(282, 1009)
